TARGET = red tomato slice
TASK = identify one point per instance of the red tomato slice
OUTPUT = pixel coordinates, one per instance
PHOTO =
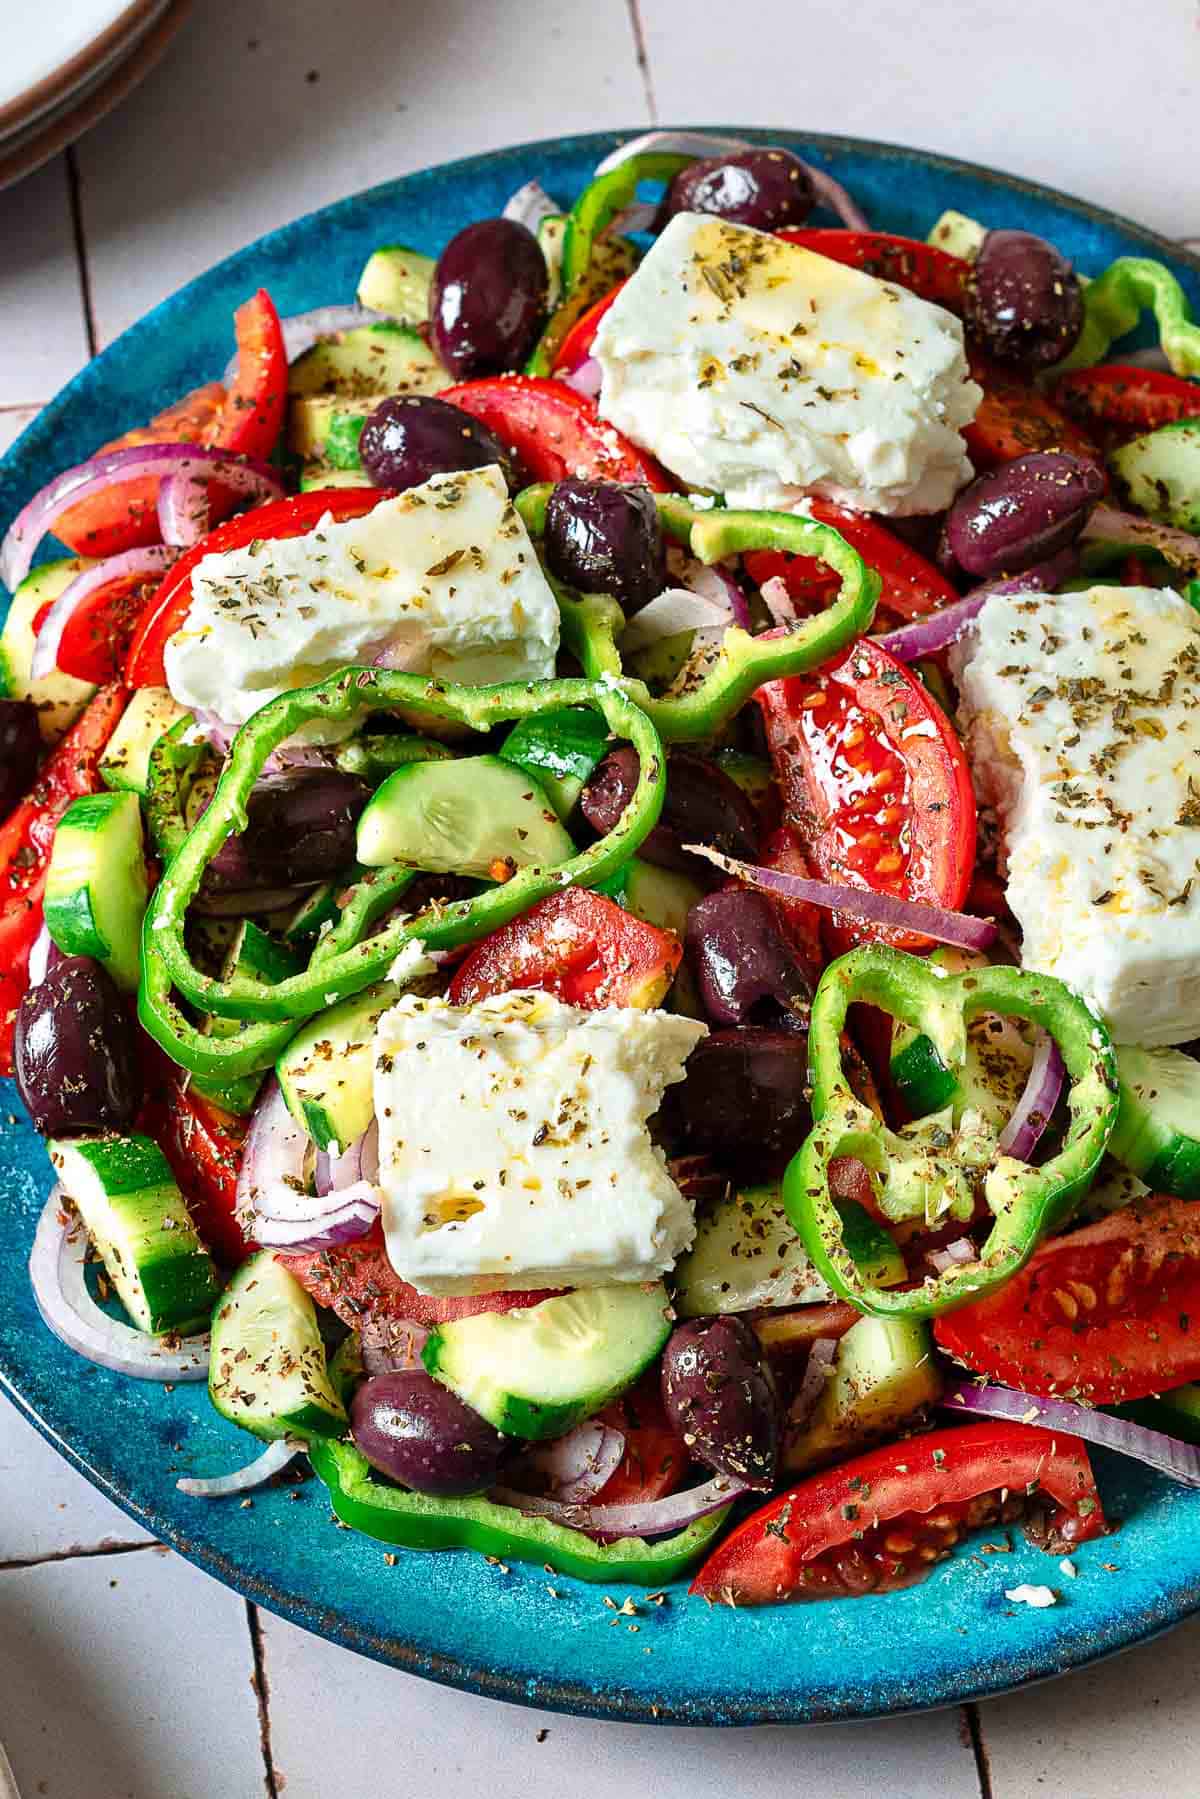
(1120, 400)
(881, 1521)
(278, 518)
(1108, 1313)
(555, 431)
(96, 637)
(203, 1143)
(933, 274)
(576, 944)
(800, 921)
(912, 586)
(357, 1281)
(252, 417)
(655, 1459)
(875, 785)
(1014, 418)
(576, 346)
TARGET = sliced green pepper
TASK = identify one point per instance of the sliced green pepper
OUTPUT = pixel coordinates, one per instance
(1025, 1201)
(591, 623)
(395, 1515)
(339, 971)
(1113, 303)
(173, 760)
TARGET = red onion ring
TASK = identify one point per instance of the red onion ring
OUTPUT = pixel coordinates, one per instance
(939, 630)
(273, 1460)
(649, 1518)
(586, 379)
(832, 195)
(579, 1465)
(1035, 1107)
(816, 1373)
(529, 206)
(184, 513)
(954, 1255)
(56, 1274)
(778, 601)
(151, 561)
(1166, 1455)
(958, 928)
(272, 1187)
(1108, 525)
(304, 329)
(828, 192)
(712, 582)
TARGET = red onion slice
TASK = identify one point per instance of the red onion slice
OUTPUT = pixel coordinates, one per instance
(670, 612)
(529, 206)
(939, 630)
(833, 195)
(1108, 525)
(953, 1255)
(816, 1373)
(273, 1460)
(272, 1188)
(579, 1465)
(672, 143)
(152, 561)
(183, 509)
(639, 215)
(304, 329)
(712, 582)
(778, 601)
(391, 1345)
(1166, 1455)
(587, 379)
(958, 928)
(1035, 1108)
(56, 1273)
(110, 469)
(649, 1518)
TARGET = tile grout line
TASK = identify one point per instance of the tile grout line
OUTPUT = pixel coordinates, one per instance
(262, 1693)
(983, 1768)
(75, 1555)
(75, 201)
(643, 60)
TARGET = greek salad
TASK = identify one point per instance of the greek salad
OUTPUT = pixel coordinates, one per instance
(599, 900)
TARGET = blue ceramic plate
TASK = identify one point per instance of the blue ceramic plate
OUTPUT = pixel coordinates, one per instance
(452, 1617)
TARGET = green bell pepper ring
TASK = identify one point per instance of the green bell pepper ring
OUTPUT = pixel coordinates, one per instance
(173, 760)
(1113, 303)
(1025, 1201)
(334, 976)
(395, 1515)
(592, 623)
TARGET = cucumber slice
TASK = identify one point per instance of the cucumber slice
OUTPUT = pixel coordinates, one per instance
(1159, 474)
(958, 235)
(365, 364)
(1157, 1134)
(746, 1255)
(884, 1372)
(550, 234)
(327, 1071)
(125, 764)
(96, 887)
(534, 1373)
(560, 750)
(461, 817)
(138, 1220)
(660, 896)
(661, 663)
(59, 698)
(398, 281)
(267, 1367)
(991, 1079)
(873, 1248)
(261, 958)
(317, 475)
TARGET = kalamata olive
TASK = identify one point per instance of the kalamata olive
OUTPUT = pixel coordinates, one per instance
(745, 1096)
(1021, 513)
(603, 538)
(488, 298)
(420, 1433)
(410, 437)
(702, 805)
(765, 188)
(719, 1395)
(1023, 300)
(746, 972)
(20, 751)
(75, 1052)
(300, 828)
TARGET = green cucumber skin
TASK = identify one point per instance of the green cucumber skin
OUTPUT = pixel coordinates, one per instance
(560, 750)
(71, 922)
(921, 1079)
(1158, 1151)
(527, 1418)
(247, 1332)
(97, 870)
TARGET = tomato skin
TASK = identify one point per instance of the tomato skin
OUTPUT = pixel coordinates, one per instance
(204, 1145)
(923, 269)
(1119, 400)
(555, 431)
(291, 517)
(836, 736)
(252, 417)
(830, 1535)
(96, 637)
(1133, 1282)
(912, 585)
(655, 1459)
(27, 837)
(578, 945)
(357, 1281)
(1015, 418)
(576, 346)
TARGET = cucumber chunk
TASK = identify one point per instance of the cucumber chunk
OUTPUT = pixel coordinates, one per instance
(560, 750)
(398, 281)
(746, 1255)
(261, 958)
(536, 1372)
(1159, 474)
(267, 1367)
(138, 1220)
(991, 1080)
(1157, 1133)
(550, 234)
(327, 1071)
(958, 235)
(462, 817)
(883, 1373)
(659, 896)
(317, 475)
(96, 887)
(333, 387)
(125, 764)
(59, 698)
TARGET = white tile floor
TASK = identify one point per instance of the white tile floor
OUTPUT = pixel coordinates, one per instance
(264, 109)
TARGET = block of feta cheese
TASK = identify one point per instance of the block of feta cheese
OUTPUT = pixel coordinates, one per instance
(766, 372)
(445, 571)
(1081, 715)
(513, 1148)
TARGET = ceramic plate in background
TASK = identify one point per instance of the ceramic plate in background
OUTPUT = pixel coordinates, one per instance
(453, 1617)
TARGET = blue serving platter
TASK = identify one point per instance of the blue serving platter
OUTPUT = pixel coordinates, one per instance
(453, 1617)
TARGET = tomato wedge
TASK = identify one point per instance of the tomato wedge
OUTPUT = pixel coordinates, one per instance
(924, 270)
(246, 420)
(881, 1521)
(278, 518)
(874, 783)
(655, 1459)
(203, 1143)
(358, 1282)
(1120, 400)
(1108, 1313)
(555, 431)
(912, 585)
(576, 346)
(1014, 418)
(96, 637)
(576, 944)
